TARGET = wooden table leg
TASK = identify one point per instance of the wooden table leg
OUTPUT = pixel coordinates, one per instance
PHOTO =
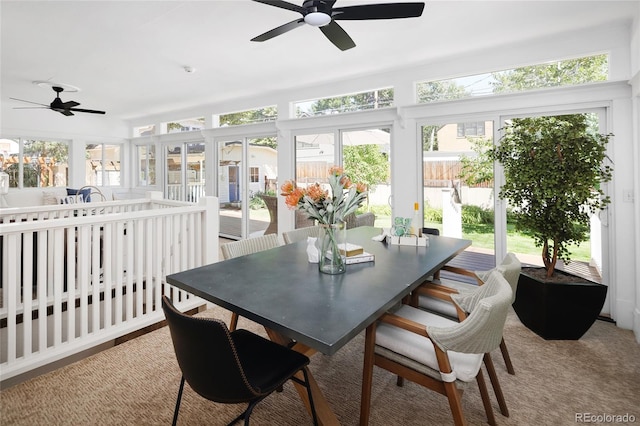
(367, 374)
(325, 415)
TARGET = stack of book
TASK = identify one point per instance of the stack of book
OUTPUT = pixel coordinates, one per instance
(355, 254)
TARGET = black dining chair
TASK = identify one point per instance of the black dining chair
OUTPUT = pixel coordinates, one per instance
(231, 367)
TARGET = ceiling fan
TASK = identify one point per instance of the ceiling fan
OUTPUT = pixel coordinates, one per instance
(64, 108)
(322, 14)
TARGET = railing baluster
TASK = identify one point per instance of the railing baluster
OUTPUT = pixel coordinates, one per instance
(107, 259)
(71, 252)
(148, 266)
(57, 273)
(96, 254)
(119, 271)
(83, 278)
(27, 292)
(42, 291)
(139, 255)
(11, 300)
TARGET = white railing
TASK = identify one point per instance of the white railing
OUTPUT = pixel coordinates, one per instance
(193, 192)
(77, 276)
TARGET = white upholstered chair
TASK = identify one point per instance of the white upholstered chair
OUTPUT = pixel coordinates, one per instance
(243, 248)
(429, 296)
(437, 352)
(301, 234)
(249, 246)
(365, 219)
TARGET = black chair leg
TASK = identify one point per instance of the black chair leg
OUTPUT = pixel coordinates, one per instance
(175, 412)
(247, 413)
(313, 407)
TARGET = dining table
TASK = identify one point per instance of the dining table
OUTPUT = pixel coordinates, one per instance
(312, 311)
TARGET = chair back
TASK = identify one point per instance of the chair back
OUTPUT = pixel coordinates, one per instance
(365, 219)
(350, 221)
(353, 220)
(481, 331)
(510, 268)
(249, 246)
(300, 234)
(431, 231)
(207, 357)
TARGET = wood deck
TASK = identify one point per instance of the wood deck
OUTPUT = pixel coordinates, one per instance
(474, 260)
(230, 226)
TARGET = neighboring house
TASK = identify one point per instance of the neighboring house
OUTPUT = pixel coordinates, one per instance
(263, 170)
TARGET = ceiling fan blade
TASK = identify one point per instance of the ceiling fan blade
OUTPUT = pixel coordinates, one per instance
(337, 36)
(282, 5)
(279, 30)
(63, 111)
(378, 11)
(90, 111)
(69, 104)
(36, 103)
(40, 107)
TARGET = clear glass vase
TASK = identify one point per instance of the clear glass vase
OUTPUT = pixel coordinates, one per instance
(331, 236)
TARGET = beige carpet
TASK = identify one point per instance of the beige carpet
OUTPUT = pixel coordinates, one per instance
(136, 383)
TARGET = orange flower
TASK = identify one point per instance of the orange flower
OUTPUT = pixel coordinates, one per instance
(316, 193)
(361, 187)
(292, 199)
(335, 170)
(345, 182)
(288, 187)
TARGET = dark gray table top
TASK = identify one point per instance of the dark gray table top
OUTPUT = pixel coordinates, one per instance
(281, 290)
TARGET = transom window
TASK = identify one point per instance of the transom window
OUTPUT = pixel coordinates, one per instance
(185, 125)
(147, 130)
(258, 115)
(552, 74)
(373, 99)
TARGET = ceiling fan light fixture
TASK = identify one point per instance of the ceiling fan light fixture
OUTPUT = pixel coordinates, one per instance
(51, 84)
(317, 19)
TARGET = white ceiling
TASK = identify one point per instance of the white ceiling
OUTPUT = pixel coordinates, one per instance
(128, 57)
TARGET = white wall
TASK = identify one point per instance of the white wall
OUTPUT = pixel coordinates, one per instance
(635, 83)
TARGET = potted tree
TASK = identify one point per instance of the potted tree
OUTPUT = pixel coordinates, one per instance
(553, 168)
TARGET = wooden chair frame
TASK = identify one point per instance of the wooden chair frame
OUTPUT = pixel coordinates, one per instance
(449, 389)
(442, 292)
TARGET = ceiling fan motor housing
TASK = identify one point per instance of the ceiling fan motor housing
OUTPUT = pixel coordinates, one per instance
(317, 12)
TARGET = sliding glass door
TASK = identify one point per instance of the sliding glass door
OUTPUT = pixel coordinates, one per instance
(366, 157)
(458, 196)
(363, 153)
(315, 154)
(247, 185)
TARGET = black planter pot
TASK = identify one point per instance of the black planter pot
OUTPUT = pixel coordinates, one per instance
(558, 311)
